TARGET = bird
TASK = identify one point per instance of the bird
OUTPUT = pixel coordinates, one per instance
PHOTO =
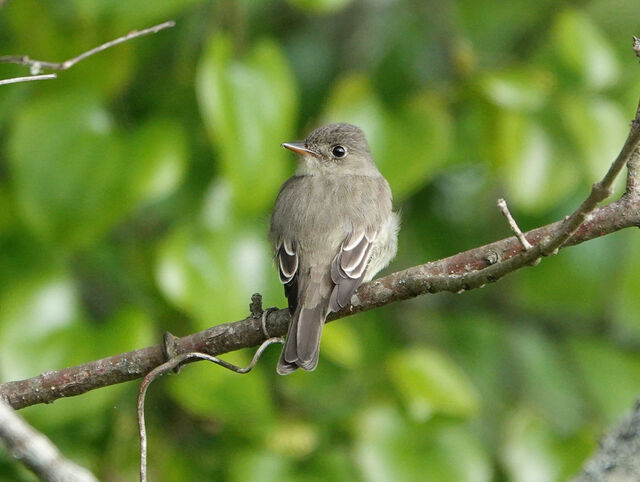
(332, 228)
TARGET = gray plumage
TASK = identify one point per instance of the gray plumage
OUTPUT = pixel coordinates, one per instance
(332, 229)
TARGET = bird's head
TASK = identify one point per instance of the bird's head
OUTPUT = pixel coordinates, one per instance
(334, 149)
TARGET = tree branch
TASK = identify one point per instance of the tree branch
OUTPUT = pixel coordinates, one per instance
(36, 66)
(36, 451)
(463, 271)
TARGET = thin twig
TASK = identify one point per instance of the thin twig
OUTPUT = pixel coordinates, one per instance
(502, 204)
(36, 66)
(175, 363)
(36, 451)
(29, 78)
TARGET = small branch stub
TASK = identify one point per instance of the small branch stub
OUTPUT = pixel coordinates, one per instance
(255, 307)
(502, 204)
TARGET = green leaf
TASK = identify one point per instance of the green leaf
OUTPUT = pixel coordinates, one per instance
(8, 218)
(521, 89)
(353, 100)
(523, 153)
(238, 402)
(530, 171)
(248, 106)
(429, 383)
(626, 302)
(584, 50)
(333, 464)
(32, 312)
(532, 451)
(340, 343)
(477, 339)
(258, 466)
(496, 29)
(418, 138)
(548, 381)
(75, 176)
(597, 128)
(388, 448)
(293, 438)
(135, 14)
(157, 159)
(320, 6)
(212, 274)
(528, 452)
(609, 375)
(568, 288)
(409, 145)
(331, 394)
(68, 168)
(251, 465)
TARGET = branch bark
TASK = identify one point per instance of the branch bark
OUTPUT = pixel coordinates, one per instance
(36, 451)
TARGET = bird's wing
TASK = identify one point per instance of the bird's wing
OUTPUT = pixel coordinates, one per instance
(288, 263)
(349, 266)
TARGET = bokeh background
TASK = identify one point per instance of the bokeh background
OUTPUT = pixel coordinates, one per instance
(135, 192)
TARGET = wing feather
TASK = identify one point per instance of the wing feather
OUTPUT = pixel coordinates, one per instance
(288, 263)
(348, 267)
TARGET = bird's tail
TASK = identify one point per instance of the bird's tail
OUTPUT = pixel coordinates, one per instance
(303, 338)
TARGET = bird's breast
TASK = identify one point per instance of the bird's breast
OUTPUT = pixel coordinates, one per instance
(318, 212)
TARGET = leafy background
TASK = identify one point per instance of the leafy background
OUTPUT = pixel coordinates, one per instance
(134, 198)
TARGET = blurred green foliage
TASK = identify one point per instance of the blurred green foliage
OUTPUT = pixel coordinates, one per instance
(134, 198)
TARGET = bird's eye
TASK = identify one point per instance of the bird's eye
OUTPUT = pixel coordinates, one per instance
(339, 152)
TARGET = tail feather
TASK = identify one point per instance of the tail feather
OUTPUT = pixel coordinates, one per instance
(302, 346)
(284, 367)
(310, 324)
(290, 350)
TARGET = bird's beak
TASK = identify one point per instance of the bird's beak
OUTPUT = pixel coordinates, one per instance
(298, 148)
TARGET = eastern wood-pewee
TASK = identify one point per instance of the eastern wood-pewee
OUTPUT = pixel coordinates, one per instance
(332, 229)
